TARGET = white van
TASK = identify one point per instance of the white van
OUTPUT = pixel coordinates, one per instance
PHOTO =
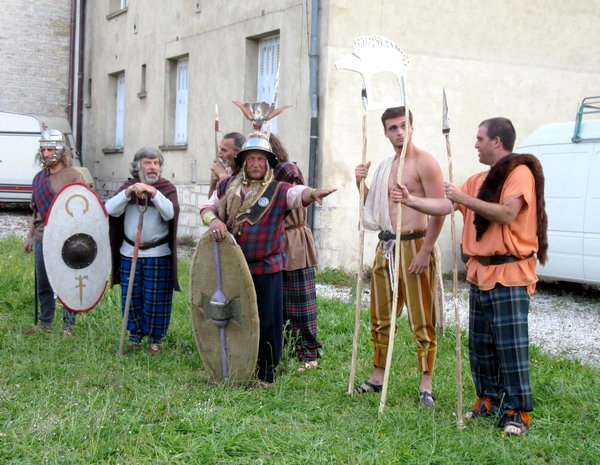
(19, 142)
(570, 156)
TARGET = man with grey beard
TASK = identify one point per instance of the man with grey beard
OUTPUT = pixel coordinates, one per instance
(156, 268)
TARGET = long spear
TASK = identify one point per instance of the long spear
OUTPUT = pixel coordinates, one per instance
(446, 131)
(397, 257)
(361, 246)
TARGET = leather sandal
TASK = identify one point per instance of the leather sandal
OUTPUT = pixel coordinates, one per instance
(514, 428)
(427, 399)
(308, 365)
(370, 387)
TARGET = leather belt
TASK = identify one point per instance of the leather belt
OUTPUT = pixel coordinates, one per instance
(499, 259)
(149, 245)
(388, 236)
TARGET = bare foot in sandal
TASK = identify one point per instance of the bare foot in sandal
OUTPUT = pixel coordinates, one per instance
(308, 365)
(366, 387)
(514, 428)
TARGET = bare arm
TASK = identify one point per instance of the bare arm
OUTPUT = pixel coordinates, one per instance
(310, 195)
(502, 213)
(429, 206)
(28, 246)
(217, 174)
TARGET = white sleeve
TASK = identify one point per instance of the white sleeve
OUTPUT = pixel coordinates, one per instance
(164, 206)
(116, 205)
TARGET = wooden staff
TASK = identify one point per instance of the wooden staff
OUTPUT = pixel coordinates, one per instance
(361, 246)
(459, 409)
(397, 257)
(138, 237)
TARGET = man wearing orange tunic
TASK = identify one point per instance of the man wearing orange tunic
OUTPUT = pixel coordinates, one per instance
(505, 227)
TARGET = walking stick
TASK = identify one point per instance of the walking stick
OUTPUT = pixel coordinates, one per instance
(446, 131)
(138, 237)
(370, 54)
(397, 257)
(35, 296)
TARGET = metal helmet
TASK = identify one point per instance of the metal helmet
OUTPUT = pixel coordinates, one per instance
(53, 138)
(256, 143)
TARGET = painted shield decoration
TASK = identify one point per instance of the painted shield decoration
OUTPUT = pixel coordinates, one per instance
(77, 248)
(224, 311)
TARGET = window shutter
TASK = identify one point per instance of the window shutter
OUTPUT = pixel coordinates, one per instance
(120, 122)
(268, 63)
(181, 106)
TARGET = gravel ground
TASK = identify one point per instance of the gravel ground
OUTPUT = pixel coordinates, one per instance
(564, 319)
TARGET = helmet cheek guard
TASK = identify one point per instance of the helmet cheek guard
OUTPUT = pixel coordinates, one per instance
(53, 138)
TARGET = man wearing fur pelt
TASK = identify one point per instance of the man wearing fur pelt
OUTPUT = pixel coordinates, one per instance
(252, 206)
(505, 228)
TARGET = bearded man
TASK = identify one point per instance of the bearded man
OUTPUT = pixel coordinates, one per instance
(252, 206)
(156, 266)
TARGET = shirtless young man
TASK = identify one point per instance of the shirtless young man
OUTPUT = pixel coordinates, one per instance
(423, 174)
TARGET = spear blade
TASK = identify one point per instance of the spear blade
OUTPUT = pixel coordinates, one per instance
(445, 122)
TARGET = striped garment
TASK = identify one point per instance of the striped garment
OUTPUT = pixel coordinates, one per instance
(300, 310)
(417, 292)
(499, 348)
(151, 298)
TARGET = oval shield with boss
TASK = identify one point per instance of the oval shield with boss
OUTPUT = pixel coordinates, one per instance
(76, 247)
(224, 310)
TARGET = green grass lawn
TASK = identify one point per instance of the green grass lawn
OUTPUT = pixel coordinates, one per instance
(73, 400)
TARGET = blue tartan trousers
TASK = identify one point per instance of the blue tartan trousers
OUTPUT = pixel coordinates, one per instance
(499, 346)
(151, 298)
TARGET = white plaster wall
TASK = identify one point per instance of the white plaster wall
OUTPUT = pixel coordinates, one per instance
(518, 59)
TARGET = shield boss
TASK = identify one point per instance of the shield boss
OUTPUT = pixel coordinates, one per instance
(79, 251)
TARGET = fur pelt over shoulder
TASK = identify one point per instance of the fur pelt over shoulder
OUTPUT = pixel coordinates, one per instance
(491, 189)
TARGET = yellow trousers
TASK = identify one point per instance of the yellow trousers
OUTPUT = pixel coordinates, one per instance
(417, 292)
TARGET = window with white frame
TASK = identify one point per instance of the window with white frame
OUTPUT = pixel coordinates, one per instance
(268, 65)
(120, 120)
(181, 101)
(118, 5)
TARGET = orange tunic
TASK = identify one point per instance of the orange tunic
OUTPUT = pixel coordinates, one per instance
(518, 239)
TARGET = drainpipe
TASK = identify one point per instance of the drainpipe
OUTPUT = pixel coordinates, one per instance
(75, 106)
(314, 104)
(81, 13)
(71, 62)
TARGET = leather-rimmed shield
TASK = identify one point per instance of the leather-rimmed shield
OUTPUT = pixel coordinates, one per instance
(77, 248)
(239, 312)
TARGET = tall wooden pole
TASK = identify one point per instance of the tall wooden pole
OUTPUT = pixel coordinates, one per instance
(398, 256)
(361, 246)
(459, 409)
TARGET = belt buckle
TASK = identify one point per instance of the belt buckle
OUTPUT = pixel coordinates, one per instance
(485, 261)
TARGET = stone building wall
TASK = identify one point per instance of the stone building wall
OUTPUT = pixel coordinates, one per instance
(34, 56)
